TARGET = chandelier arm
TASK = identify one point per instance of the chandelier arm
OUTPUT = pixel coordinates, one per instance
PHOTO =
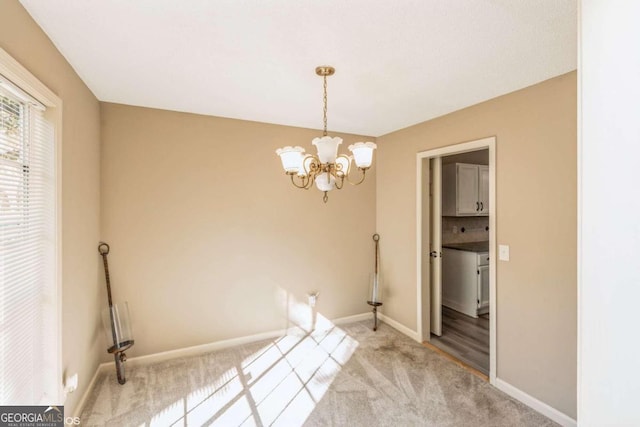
(304, 182)
(344, 172)
(339, 186)
(314, 165)
(364, 172)
(311, 179)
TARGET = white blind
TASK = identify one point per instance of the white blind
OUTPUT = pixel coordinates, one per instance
(27, 251)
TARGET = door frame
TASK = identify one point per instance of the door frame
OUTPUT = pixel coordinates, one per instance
(423, 280)
(435, 224)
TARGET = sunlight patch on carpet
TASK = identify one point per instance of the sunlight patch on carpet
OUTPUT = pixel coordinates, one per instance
(279, 384)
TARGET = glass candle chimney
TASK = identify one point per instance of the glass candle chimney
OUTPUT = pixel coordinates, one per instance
(375, 289)
(117, 326)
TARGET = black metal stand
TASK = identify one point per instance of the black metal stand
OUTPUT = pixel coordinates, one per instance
(375, 306)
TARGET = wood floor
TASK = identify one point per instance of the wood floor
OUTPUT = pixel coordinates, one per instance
(465, 338)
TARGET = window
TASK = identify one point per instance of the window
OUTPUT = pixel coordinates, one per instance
(29, 307)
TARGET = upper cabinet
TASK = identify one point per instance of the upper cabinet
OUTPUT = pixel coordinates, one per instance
(483, 189)
(465, 190)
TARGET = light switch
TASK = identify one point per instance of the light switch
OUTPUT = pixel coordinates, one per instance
(503, 252)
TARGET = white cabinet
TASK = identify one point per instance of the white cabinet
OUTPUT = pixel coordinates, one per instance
(465, 281)
(465, 190)
(483, 189)
(483, 289)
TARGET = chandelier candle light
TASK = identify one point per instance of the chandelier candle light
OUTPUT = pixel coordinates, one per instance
(327, 169)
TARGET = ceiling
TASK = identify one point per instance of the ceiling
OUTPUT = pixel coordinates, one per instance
(397, 62)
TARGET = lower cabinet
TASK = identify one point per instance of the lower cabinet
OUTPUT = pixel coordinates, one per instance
(465, 281)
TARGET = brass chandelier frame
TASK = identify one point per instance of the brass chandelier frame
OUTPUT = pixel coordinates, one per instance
(312, 165)
(315, 168)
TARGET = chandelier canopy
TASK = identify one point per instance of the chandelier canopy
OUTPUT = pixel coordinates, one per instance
(327, 169)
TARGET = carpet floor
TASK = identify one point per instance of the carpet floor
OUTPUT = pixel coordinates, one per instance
(346, 375)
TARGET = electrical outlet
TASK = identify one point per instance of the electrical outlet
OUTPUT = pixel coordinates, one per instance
(71, 383)
(455, 229)
(313, 298)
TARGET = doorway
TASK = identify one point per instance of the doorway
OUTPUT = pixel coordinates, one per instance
(467, 213)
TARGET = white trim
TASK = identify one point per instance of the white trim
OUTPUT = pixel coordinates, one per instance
(80, 405)
(200, 349)
(18, 75)
(463, 147)
(490, 143)
(546, 410)
(493, 265)
(21, 77)
(419, 245)
(354, 318)
(400, 327)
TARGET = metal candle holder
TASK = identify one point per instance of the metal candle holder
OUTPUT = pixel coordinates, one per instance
(119, 323)
(375, 285)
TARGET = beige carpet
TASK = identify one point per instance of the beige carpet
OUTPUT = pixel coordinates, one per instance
(344, 376)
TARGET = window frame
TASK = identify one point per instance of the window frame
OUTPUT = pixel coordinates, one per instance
(22, 78)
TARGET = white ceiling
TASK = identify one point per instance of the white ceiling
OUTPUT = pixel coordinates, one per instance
(397, 62)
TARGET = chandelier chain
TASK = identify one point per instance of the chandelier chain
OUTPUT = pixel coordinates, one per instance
(324, 99)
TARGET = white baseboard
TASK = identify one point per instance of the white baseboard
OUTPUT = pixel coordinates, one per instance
(399, 327)
(199, 349)
(351, 319)
(218, 345)
(538, 405)
(92, 383)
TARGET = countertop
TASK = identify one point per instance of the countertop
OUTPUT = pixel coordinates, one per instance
(469, 246)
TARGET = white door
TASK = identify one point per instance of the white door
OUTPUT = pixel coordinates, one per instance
(483, 190)
(467, 189)
(425, 259)
(435, 246)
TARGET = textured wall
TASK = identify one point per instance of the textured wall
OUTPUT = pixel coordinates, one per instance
(209, 239)
(536, 215)
(82, 288)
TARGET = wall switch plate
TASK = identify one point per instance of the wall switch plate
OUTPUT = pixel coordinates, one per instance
(503, 252)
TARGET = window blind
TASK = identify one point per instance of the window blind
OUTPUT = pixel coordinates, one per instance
(27, 251)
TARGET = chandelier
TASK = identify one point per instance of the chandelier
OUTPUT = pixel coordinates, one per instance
(327, 170)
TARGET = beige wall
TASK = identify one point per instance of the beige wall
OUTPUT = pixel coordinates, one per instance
(536, 215)
(208, 236)
(82, 291)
